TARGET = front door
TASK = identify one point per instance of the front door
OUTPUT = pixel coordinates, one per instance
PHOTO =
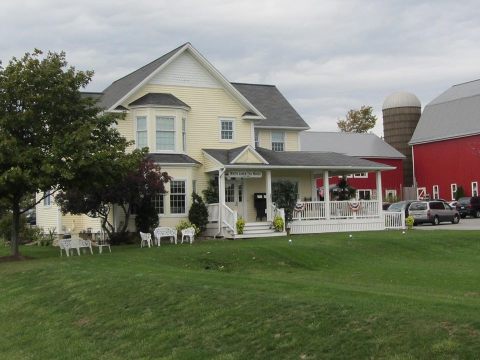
(234, 194)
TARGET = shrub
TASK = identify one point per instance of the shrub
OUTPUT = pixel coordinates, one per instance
(459, 193)
(124, 238)
(284, 195)
(184, 224)
(6, 227)
(198, 213)
(409, 221)
(211, 193)
(278, 223)
(240, 225)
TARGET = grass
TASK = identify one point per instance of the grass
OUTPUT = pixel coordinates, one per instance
(378, 295)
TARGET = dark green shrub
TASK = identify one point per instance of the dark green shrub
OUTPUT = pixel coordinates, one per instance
(147, 216)
(198, 213)
(211, 193)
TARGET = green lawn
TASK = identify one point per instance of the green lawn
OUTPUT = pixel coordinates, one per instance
(377, 295)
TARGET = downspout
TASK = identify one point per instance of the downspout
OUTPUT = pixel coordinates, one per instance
(221, 172)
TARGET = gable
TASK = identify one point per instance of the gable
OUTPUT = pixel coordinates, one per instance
(248, 157)
(185, 70)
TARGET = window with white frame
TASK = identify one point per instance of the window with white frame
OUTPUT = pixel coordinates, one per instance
(474, 188)
(257, 140)
(391, 195)
(364, 194)
(435, 192)
(142, 133)
(361, 175)
(453, 190)
(278, 141)
(226, 130)
(177, 197)
(158, 202)
(165, 133)
(184, 134)
(47, 198)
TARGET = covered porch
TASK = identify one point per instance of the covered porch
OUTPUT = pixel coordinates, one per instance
(242, 186)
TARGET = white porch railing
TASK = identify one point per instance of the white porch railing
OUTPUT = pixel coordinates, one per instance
(213, 213)
(312, 210)
(394, 220)
(229, 218)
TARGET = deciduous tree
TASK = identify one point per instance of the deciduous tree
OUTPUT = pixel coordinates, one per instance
(358, 120)
(51, 136)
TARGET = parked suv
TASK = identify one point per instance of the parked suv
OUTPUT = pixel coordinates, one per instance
(469, 206)
(433, 211)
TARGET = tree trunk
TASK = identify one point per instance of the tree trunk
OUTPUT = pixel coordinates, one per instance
(15, 241)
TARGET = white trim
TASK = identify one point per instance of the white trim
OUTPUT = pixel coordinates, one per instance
(255, 153)
(152, 106)
(252, 134)
(419, 142)
(476, 187)
(169, 193)
(284, 140)
(452, 192)
(413, 168)
(362, 175)
(176, 164)
(202, 60)
(357, 194)
(136, 129)
(253, 166)
(220, 120)
(435, 192)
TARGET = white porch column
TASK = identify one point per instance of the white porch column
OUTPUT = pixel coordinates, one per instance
(379, 193)
(221, 196)
(268, 186)
(326, 194)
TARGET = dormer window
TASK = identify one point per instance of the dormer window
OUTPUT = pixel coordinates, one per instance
(278, 141)
(165, 133)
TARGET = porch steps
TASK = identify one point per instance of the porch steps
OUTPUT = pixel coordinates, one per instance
(258, 229)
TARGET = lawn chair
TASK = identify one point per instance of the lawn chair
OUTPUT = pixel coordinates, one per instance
(146, 238)
(190, 233)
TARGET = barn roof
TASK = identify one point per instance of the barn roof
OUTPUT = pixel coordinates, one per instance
(352, 144)
(455, 113)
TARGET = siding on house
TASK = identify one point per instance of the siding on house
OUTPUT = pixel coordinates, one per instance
(291, 139)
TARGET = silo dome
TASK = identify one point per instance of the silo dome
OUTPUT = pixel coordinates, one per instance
(401, 99)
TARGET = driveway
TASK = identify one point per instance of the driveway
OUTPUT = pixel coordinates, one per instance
(464, 224)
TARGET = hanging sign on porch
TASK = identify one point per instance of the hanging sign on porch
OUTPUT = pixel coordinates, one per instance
(244, 174)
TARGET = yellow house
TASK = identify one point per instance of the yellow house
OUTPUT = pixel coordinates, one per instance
(199, 126)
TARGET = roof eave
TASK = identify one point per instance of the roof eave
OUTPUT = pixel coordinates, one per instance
(418, 142)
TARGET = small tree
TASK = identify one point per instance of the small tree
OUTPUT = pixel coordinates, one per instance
(345, 191)
(198, 213)
(284, 195)
(358, 120)
(459, 193)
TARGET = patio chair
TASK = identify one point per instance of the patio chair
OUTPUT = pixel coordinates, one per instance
(102, 241)
(190, 233)
(146, 238)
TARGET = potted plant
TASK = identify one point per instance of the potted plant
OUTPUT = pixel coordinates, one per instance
(240, 225)
(409, 221)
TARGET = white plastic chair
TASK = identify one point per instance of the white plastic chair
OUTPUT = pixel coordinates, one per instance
(146, 238)
(190, 233)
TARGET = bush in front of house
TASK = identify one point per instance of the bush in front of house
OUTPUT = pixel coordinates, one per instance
(198, 213)
(185, 224)
(240, 225)
(147, 216)
(278, 223)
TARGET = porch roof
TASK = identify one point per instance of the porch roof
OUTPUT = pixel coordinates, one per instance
(173, 159)
(298, 160)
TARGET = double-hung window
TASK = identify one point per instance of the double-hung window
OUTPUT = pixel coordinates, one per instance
(278, 141)
(158, 202)
(165, 133)
(142, 133)
(177, 197)
(226, 130)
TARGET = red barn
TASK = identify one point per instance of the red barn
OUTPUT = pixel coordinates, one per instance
(446, 143)
(365, 146)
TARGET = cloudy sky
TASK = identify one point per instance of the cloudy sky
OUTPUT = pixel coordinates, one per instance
(326, 56)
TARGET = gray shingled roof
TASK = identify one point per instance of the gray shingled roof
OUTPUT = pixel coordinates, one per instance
(158, 99)
(296, 159)
(455, 113)
(352, 144)
(273, 105)
(165, 159)
(123, 86)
